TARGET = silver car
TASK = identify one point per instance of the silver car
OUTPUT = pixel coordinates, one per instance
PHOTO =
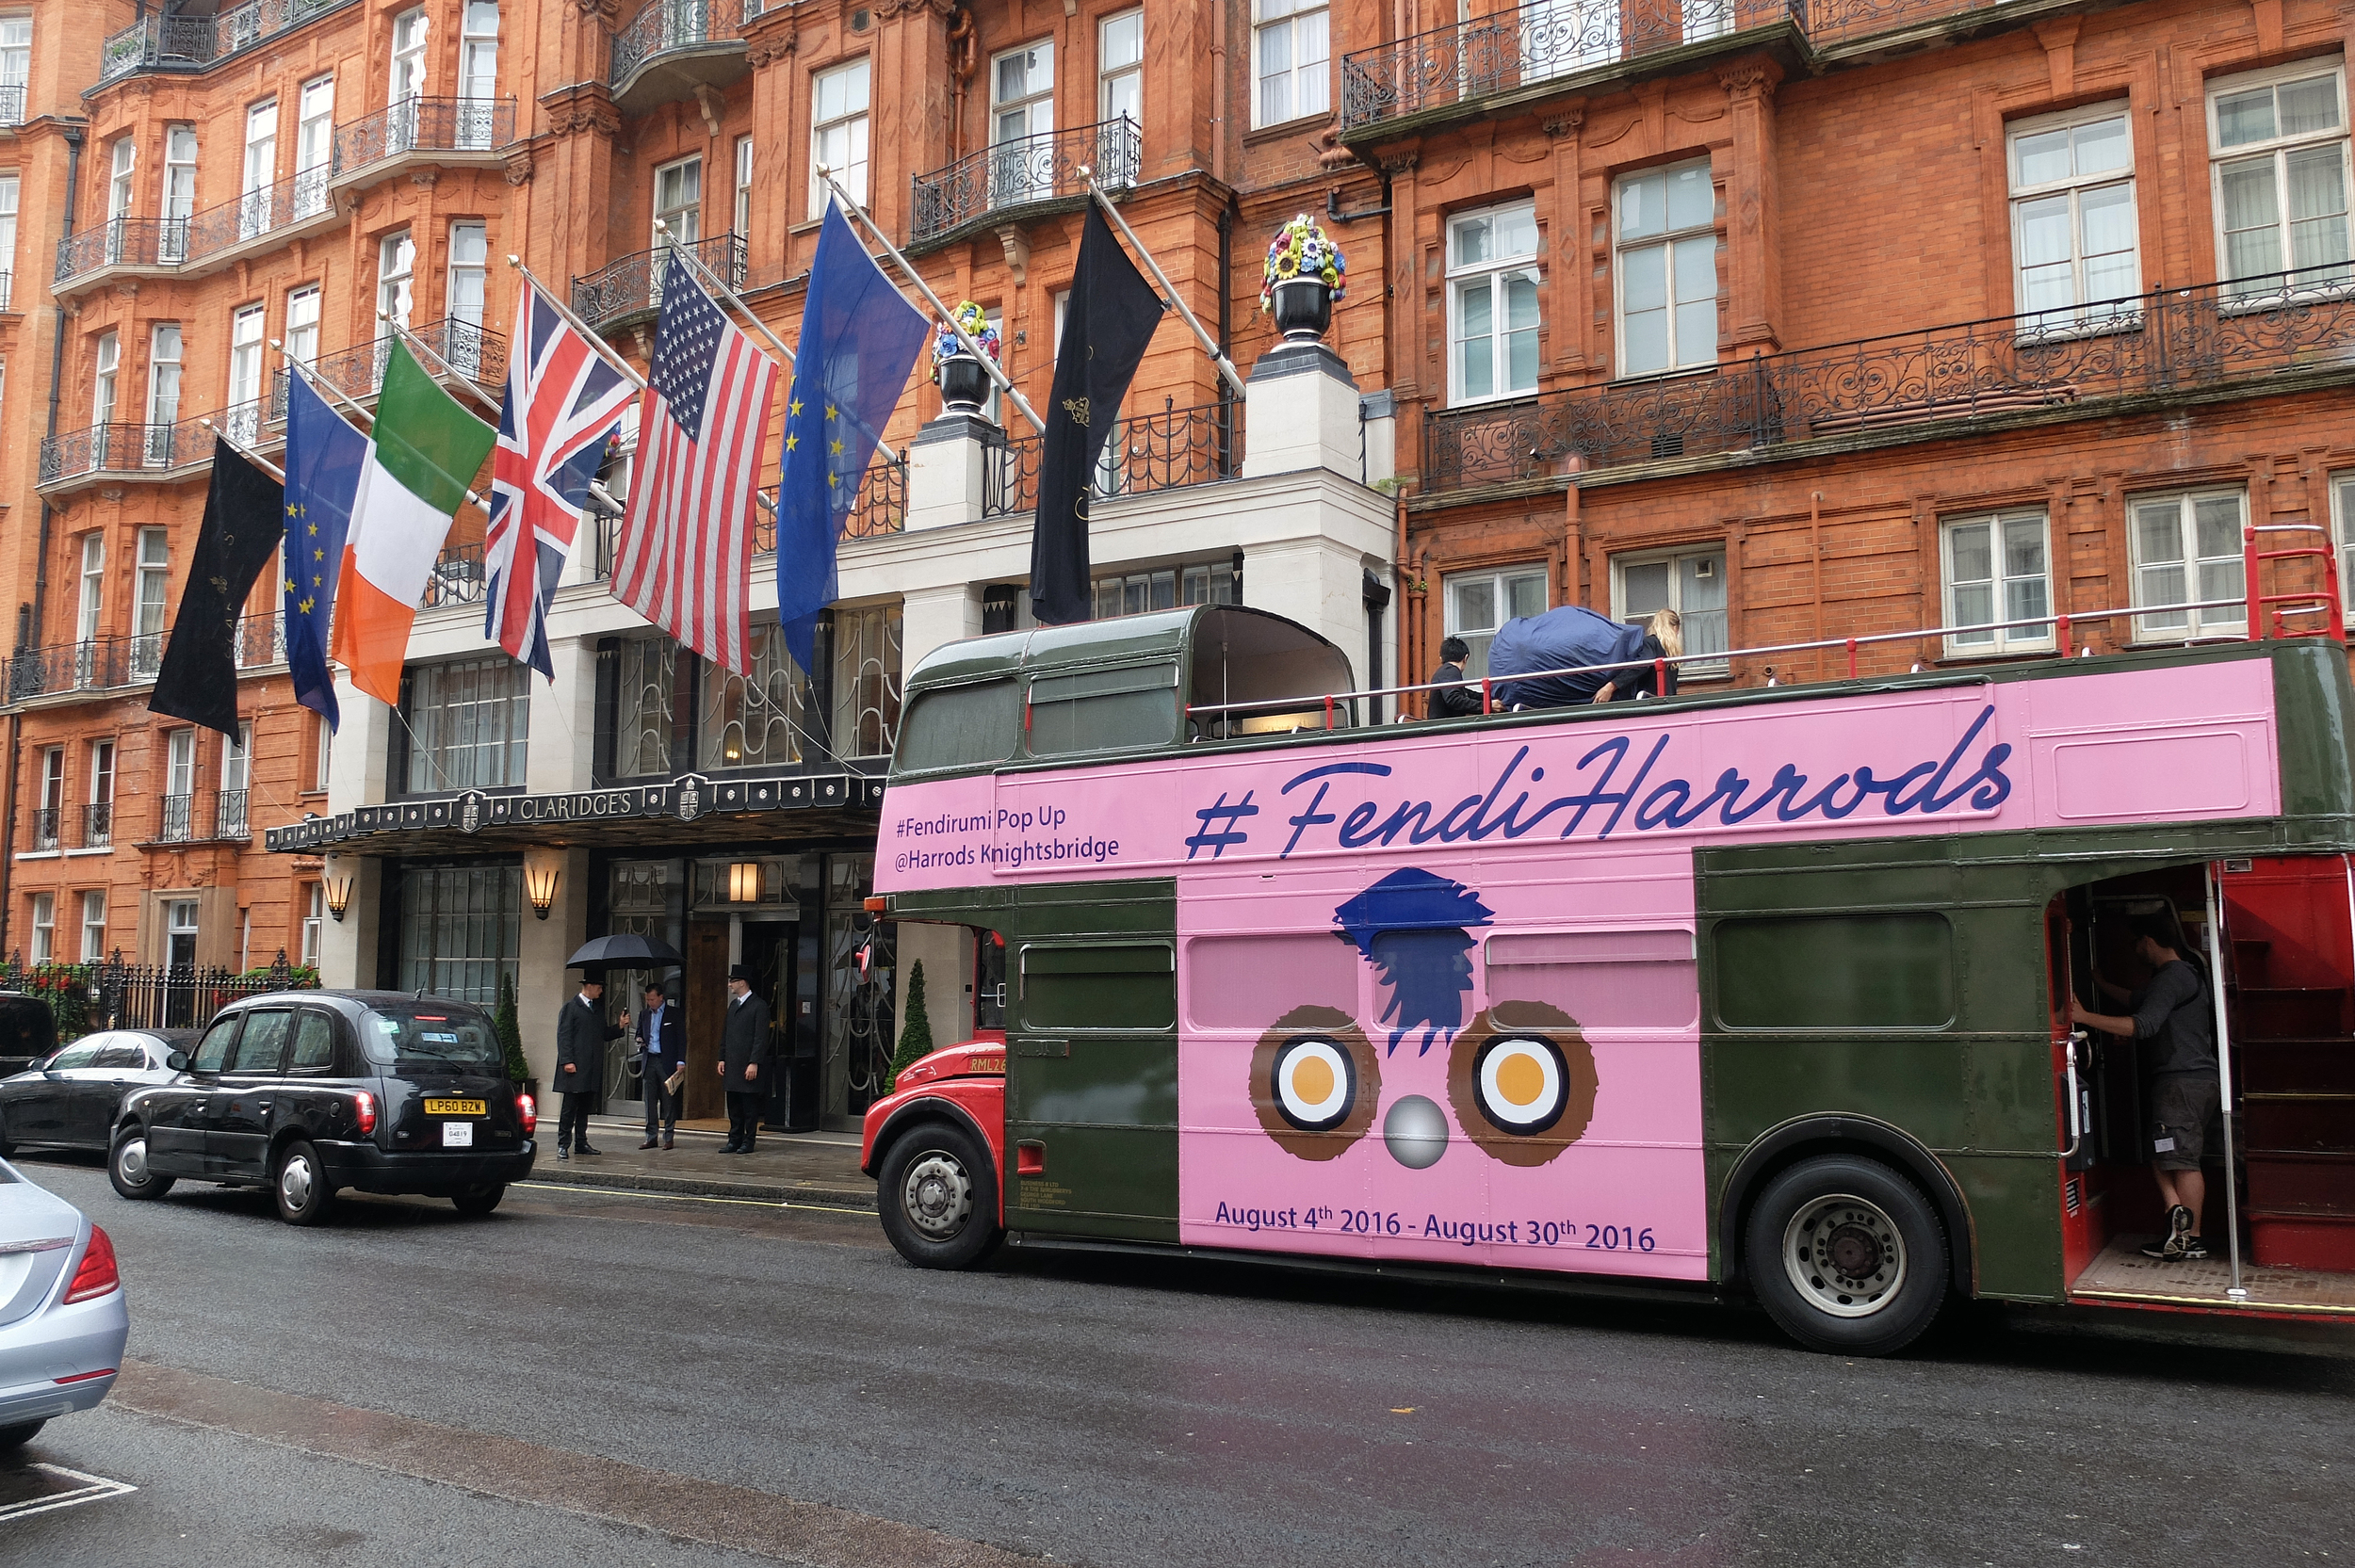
(64, 1315)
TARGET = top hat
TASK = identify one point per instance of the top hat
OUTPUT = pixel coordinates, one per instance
(738, 971)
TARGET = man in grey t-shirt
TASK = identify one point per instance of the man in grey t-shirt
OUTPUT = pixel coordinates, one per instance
(2175, 1015)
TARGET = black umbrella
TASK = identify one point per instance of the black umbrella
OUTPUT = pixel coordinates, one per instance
(623, 952)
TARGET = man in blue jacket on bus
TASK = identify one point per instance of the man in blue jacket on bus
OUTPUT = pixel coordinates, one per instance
(2173, 1012)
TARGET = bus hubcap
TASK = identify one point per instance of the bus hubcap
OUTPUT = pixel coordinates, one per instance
(939, 1196)
(133, 1161)
(294, 1182)
(1844, 1255)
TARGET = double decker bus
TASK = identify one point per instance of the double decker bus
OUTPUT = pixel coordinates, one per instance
(1759, 992)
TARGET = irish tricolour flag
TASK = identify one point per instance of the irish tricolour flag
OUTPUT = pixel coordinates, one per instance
(421, 454)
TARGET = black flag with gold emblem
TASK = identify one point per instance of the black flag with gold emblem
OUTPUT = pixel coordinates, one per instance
(1106, 325)
(243, 526)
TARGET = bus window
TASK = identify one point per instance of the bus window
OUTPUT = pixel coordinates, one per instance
(1247, 982)
(1098, 986)
(1836, 971)
(1103, 710)
(1602, 979)
(961, 726)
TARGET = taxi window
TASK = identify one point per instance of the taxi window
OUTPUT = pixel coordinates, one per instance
(212, 1052)
(263, 1047)
(426, 1037)
(315, 1043)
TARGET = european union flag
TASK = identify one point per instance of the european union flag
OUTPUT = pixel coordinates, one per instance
(859, 339)
(325, 456)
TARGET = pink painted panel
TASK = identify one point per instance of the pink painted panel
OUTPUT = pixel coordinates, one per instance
(1485, 885)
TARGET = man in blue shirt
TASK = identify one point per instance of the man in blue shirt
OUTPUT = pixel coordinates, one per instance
(662, 1036)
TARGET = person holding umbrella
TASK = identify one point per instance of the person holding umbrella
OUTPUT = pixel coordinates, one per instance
(745, 1049)
(581, 1032)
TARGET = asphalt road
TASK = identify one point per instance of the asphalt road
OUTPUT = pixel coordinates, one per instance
(588, 1377)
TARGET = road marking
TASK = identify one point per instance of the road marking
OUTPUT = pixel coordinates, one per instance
(710, 1512)
(91, 1489)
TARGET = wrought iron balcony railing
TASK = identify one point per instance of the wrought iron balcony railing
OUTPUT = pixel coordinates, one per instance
(172, 43)
(98, 825)
(92, 665)
(12, 103)
(358, 371)
(881, 510)
(229, 818)
(1145, 452)
(119, 242)
(177, 823)
(260, 640)
(8, 290)
(134, 449)
(673, 25)
(425, 125)
(1028, 169)
(1531, 46)
(2170, 340)
(45, 826)
(634, 282)
(459, 577)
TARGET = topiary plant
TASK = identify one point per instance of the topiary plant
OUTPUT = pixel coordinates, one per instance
(916, 1033)
(510, 1031)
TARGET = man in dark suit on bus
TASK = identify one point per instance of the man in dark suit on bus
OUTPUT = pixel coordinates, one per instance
(746, 1048)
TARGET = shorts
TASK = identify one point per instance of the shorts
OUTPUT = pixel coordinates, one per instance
(2182, 1104)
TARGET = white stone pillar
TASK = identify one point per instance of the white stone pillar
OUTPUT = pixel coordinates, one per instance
(541, 986)
(1318, 581)
(348, 947)
(561, 755)
(1300, 411)
(946, 465)
(932, 617)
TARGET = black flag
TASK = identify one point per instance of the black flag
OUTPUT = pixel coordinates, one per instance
(244, 522)
(1104, 330)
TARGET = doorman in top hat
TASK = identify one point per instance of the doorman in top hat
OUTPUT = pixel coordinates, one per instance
(747, 1060)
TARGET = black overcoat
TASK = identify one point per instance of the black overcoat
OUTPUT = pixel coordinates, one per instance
(581, 1032)
(745, 1041)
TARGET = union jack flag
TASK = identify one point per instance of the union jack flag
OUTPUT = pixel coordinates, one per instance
(563, 402)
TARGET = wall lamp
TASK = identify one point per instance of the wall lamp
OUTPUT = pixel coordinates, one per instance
(744, 881)
(338, 887)
(540, 876)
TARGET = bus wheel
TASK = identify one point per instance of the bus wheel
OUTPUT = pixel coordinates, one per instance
(938, 1207)
(1846, 1255)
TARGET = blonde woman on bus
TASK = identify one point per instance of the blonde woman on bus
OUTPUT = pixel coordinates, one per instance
(1664, 638)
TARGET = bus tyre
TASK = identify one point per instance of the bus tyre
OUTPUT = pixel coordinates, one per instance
(938, 1197)
(1846, 1255)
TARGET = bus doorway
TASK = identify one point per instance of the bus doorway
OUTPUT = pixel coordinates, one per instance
(2278, 1158)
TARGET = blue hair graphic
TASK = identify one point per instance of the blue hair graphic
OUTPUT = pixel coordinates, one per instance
(1413, 927)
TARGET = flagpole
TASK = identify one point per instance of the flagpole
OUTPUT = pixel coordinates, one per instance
(418, 345)
(1210, 344)
(247, 453)
(997, 373)
(295, 366)
(604, 350)
(695, 264)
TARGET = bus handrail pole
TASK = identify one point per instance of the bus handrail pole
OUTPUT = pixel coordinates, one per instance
(2076, 1121)
(2224, 1079)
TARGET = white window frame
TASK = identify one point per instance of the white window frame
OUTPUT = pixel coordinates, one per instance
(1496, 271)
(166, 353)
(2000, 525)
(302, 323)
(1502, 582)
(151, 570)
(120, 191)
(839, 130)
(322, 752)
(95, 927)
(105, 377)
(53, 778)
(44, 927)
(1302, 85)
(248, 324)
(407, 79)
(16, 54)
(1682, 357)
(395, 275)
(7, 236)
(743, 216)
(2195, 625)
(2343, 532)
(2279, 149)
(259, 173)
(1119, 76)
(91, 619)
(179, 191)
(314, 923)
(684, 215)
(1675, 557)
(2072, 188)
(467, 286)
(315, 145)
(102, 772)
(180, 763)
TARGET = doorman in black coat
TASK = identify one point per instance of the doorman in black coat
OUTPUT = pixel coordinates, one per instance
(581, 1032)
(746, 1060)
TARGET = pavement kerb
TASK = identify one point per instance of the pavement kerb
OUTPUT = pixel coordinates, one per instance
(545, 1171)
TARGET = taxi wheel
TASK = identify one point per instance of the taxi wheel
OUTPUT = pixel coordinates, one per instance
(300, 1185)
(939, 1194)
(126, 1167)
(479, 1200)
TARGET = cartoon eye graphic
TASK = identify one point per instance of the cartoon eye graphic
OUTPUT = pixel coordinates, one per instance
(1315, 1082)
(1521, 1080)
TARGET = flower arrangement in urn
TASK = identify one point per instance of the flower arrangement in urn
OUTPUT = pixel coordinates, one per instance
(1302, 252)
(976, 324)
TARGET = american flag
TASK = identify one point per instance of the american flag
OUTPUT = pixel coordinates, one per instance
(562, 401)
(687, 545)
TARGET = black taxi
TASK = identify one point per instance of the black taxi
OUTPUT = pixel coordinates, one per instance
(309, 1093)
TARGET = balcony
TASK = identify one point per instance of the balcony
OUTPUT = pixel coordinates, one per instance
(98, 825)
(45, 829)
(2085, 361)
(881, 510)
(167, 42)
(259, 640)
(1535, 50)
(153, 454)
(459, 577)
(1004, 181)
(121, 248)
(1158, 451)
(633, 286)
(176, 822)
(672, 47)
(229, 817)
(358, 371)
(7, 291)
(12, 103)
(421, 130)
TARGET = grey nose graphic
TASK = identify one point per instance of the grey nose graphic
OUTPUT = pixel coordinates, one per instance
(1416, 1132)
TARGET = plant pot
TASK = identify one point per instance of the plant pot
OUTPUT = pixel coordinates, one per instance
(963, 383)
(1304, 309)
